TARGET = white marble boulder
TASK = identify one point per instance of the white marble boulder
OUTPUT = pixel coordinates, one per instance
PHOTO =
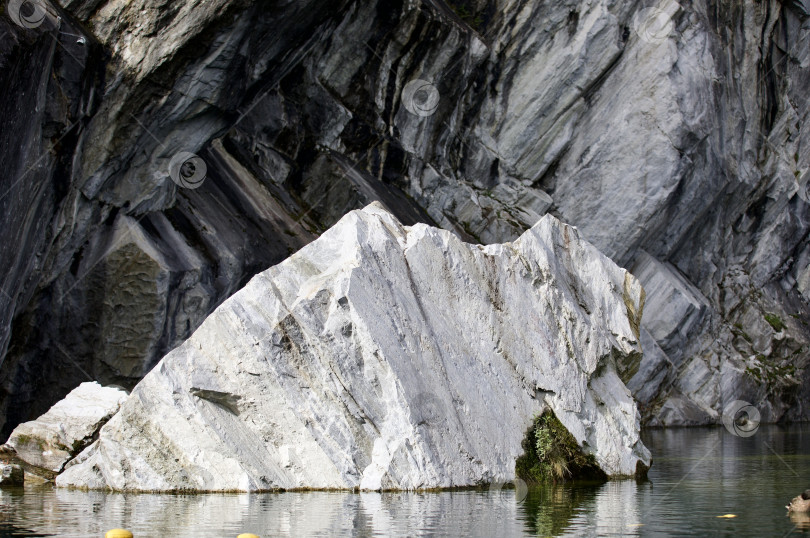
(386, 357)
(65, 429)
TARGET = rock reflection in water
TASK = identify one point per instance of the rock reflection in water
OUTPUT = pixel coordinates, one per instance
(801, 520)
(611, 508)
(79, 513)
(551, 508)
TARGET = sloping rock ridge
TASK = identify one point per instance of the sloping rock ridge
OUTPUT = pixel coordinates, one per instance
(674, 135)
(386, 357)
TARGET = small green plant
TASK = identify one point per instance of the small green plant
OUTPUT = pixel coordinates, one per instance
(771, 372)
(464, 13)
(798, 317)
(552, 454)
(775, 322)
(755, 372)
(738, 329)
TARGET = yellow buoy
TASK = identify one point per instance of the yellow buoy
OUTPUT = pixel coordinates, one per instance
(248, 535)
(118, 533)
(728, 516)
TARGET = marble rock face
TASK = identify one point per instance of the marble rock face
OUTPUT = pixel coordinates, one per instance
(384, 356)
(672, 134)
(69, 426)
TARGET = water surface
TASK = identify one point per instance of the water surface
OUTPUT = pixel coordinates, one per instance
(697, 475)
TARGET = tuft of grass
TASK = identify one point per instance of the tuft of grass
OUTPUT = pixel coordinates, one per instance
(551, 454)
(775, 322)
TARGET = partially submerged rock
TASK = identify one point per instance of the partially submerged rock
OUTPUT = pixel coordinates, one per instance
(387, 357)
(68, 427)
(800, 503)
(11, 475)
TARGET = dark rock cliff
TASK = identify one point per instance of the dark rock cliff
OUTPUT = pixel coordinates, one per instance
(673, 135)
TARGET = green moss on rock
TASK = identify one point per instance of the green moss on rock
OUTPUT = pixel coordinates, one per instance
(775, 322)
(551, 454)
(23, 440)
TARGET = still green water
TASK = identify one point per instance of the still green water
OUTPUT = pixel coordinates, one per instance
(697, 475)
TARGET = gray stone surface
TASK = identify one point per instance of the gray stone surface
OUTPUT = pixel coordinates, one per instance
(674, 308)
(386, 357)
(686, 141)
